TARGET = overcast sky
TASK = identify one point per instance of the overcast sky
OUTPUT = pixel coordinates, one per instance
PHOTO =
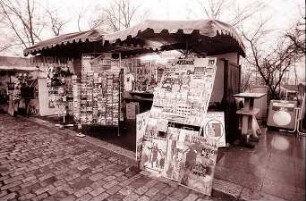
(282, 12)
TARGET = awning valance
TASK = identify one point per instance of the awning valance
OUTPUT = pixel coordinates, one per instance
(196, 32)
(203, 36)
(77, 37)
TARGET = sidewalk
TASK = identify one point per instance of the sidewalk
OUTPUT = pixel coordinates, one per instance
(42, 163)
(274, 170)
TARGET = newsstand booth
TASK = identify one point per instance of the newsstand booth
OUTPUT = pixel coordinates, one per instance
(200, 38)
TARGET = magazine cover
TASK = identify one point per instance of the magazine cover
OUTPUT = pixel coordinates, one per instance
(174, 157)
(198, 165)
(214, 128)
(151, 128)
(141, 122)
(153, 154)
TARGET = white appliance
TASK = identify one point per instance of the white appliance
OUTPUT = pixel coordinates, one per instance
(282, 114)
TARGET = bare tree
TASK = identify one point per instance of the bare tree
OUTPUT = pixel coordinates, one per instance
(88, 17)
(271, 63)
(121, 14)
(229, 11)
(56, 22)
(297, 36)
(27, 22)
(20, 19)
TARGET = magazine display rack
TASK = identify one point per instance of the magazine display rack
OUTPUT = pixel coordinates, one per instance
(170, 140)
(97, 97)
(60, 90)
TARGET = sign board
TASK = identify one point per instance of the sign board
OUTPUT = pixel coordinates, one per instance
(214, 128)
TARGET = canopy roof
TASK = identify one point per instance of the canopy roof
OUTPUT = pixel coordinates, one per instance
(77, 37)
(202, 36)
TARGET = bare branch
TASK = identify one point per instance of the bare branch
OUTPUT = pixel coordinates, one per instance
(120, 14)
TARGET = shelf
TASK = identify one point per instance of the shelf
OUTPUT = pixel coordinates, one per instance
(245, 111)
(249, 95)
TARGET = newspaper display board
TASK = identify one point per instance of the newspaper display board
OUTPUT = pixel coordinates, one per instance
(180, 153)
(184, 91)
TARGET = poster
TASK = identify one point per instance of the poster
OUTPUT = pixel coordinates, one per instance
(214, 128)
(141, 123)
(154, 144)
(198, 164)
(174, 154)
(153, 154)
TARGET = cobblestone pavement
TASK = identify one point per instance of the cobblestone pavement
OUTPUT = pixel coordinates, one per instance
(39, 164)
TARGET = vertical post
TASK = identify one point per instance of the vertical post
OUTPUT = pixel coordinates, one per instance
(225, 89)
(239, 84)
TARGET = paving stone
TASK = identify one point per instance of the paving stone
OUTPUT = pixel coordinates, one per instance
(141, 190)
(8, 196)
(152, 192)
(27, 196)
(44, 189)
(126, 190)
(144, 198)
(3, 193)
(97, 191)
(69, 198)
(83, 191)
(132, 196)
(13, 179)
(158, 197)
(191, 197)
(109, 178)
(110, 184)
(114, 189)
(84, 198)
(168, 190)
(100, 197)
(44, 177)
(10, 185)
(97, 176)
(179, 194)
(40, 197)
